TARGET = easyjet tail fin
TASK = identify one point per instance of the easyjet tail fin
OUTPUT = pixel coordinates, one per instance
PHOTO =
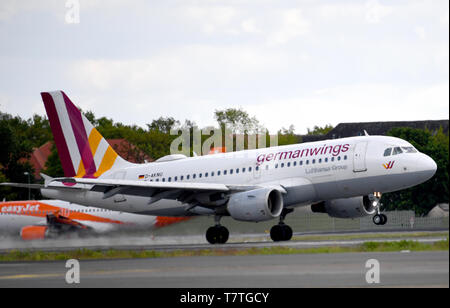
(82, 150)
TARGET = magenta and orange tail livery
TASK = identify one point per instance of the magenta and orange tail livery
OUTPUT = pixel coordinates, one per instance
(83, 151)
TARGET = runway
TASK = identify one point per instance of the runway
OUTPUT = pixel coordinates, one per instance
(413, 269)
(168, 243)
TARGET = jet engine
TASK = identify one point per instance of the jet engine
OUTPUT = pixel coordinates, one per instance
(347, 208)
(29, 233)
(256, 205)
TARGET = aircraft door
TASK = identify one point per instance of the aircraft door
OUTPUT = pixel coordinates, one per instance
(359, 157)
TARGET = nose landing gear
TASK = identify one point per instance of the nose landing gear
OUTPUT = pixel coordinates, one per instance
(378, 219)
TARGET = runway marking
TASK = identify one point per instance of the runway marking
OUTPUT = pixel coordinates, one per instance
(29, 276)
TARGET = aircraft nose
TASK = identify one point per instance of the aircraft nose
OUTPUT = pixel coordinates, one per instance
(428, 166)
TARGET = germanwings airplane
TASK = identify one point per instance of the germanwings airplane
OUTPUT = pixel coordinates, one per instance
(52, 218)
(344, 177)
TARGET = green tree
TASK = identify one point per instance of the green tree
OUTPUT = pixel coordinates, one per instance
(238, 121)
(287, 136)
(317, 130)
(15, 151)
(424, 197)
(163, 125)
(53, 165)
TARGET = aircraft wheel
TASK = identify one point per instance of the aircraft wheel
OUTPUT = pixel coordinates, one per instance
(378, 219)
(217, 235)
(384, 219)
(288, 233)
(281, 233)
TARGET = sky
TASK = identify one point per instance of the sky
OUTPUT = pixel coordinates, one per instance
(301, 63)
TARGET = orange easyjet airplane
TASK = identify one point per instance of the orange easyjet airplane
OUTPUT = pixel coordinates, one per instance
(53, 218)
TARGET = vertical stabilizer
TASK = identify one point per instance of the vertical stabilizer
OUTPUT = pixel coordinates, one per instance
(82, 150)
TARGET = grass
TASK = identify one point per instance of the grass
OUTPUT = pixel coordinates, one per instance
(87, 254)
(369, 236)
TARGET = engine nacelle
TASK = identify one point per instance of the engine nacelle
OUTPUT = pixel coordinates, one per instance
(29, 233)
(256, 205)
(347, 208)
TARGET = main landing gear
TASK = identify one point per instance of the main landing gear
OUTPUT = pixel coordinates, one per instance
(378, 219)
(217, 234)
(282, 232)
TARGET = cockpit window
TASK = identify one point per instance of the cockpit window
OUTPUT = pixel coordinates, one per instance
(387, 152)
(409, 150)
(397, 150)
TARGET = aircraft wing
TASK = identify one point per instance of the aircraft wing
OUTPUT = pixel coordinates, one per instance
(23, 185)
(185, 192)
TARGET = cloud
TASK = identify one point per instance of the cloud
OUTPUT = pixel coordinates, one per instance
(11, 8)
(293, 24)
(211, 19)
(375, 12)
(420, 32)
(355, 103)
(189, 66)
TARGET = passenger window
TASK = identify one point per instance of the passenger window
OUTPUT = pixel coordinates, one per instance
(249, 169)
(397, 150)
(224, 172)
(206, 174)
(320, 160)
(231, 171)
(218, 173)
(237, 170)
(387, 152)
(188, 177)
(288, 164)
(282, 165)
(194, 176)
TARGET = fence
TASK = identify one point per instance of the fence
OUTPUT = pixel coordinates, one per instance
(313, 223)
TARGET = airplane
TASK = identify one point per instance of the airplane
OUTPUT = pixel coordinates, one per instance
(44, 219)
(344, 178)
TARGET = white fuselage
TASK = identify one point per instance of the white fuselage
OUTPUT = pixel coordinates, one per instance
(309, 172)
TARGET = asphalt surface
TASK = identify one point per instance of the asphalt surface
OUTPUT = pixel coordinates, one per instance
(399, 269)
(168, 243)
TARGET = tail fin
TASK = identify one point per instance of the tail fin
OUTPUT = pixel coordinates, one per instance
(82, 150)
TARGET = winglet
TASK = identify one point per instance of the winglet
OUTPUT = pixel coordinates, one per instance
(47, 178)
